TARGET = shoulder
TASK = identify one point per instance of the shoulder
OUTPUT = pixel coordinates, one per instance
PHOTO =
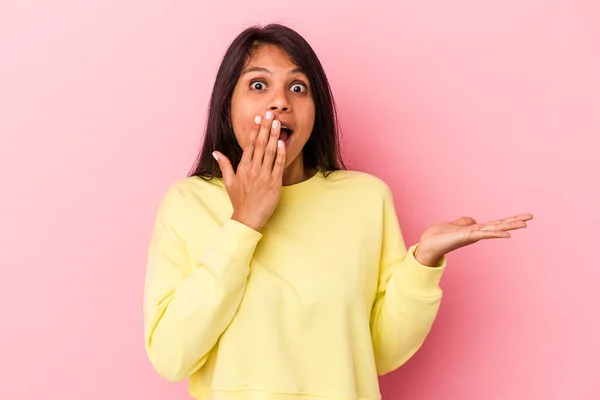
(188, 192)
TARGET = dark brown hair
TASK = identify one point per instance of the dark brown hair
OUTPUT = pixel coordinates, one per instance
(321, 151)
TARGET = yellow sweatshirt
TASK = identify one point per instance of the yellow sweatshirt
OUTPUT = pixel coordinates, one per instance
(315, 306)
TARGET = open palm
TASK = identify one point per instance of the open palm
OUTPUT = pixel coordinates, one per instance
(444, 237)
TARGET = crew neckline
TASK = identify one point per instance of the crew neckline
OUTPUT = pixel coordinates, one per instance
(301, 189)
(295, 192)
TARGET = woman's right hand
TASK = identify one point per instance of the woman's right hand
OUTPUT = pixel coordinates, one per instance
(255, 188)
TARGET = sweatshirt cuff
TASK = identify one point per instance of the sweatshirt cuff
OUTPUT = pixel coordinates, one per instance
(233, 246)
(419, 279)
(237, 240)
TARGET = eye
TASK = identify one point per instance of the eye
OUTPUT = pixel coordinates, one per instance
(298, 88)
(258, 85)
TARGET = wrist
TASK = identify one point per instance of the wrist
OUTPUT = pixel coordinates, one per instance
(246, 221)
(425, 257)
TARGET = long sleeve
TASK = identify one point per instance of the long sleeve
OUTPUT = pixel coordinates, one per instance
(188, 303)
(408, 297)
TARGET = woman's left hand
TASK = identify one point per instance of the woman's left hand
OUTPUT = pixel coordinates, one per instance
(442, 238)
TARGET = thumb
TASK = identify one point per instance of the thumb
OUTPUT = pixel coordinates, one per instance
(225, 166)
(464, 221)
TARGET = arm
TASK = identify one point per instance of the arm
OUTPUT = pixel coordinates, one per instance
(407, 300)
(188, 304)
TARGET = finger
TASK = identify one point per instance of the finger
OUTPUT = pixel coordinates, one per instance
(520, 217)
(251, 141)
(225, 166)
(271, 149)
(504, 226)
(279, 161)
(262, 139)
(479, 235)
(464, 221)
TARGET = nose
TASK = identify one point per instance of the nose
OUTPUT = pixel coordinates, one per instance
(279, 101)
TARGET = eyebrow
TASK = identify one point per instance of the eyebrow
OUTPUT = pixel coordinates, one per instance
(261, 69)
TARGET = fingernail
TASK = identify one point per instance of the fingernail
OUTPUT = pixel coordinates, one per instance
(280, 143)
(257, 119)
(269, 115)
(214, 154)
(275, 124)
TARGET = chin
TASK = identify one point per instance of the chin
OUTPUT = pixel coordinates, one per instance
(290, 159)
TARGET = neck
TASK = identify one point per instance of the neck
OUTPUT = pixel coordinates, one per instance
(295, 172)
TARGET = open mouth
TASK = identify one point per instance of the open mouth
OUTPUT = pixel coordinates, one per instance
(285, 134)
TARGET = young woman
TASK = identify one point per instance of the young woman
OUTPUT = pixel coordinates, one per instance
(274, 273)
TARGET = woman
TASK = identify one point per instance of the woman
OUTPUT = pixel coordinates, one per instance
(273, 272)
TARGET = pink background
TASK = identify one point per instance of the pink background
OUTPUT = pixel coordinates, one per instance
(464, 107)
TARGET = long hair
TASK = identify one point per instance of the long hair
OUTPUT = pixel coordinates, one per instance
(322, 149)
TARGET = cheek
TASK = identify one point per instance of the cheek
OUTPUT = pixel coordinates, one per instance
(308, 119)
(242, 121)
(242, 132)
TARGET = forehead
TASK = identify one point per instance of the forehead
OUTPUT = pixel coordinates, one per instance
(271, 57)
